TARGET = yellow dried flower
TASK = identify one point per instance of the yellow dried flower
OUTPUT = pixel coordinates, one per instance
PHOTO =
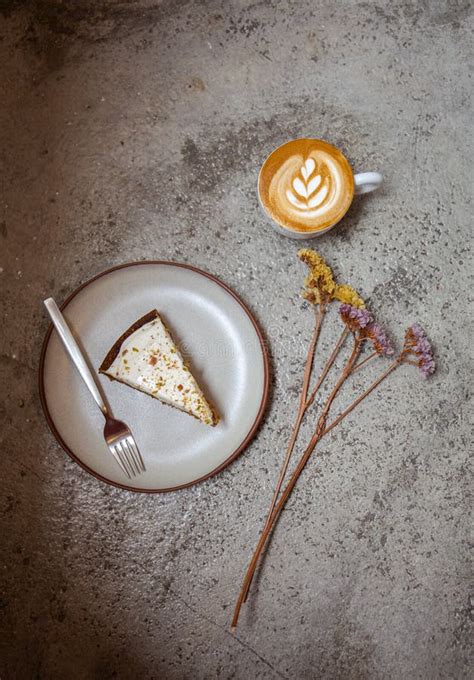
(348, 295)
(310, 292)
(319, 284)
(310, 257)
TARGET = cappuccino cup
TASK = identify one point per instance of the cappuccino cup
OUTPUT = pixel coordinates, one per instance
(307, 185)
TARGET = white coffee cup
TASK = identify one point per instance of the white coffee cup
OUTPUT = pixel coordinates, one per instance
(306, 186)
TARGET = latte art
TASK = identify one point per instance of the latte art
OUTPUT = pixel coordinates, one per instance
(306, 185)
(302, 193)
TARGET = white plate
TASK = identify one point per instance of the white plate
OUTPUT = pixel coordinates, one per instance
(224, 348)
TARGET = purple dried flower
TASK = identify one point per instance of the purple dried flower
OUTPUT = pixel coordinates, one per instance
(380, 340)
(355, 318)
(418, 344)
(362, 321)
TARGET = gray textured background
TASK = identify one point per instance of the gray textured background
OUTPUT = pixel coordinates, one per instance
(135, 129)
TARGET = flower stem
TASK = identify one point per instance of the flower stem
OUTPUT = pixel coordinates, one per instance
(327, 367)
(293, 479)
(365, 361)
(296, 428)
(266, 531)
(299, 416)
(365, 394)
(302, 405)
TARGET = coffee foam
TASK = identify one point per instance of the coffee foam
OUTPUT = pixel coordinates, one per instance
(306, 185)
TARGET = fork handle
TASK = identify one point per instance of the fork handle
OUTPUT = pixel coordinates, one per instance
(74, 352)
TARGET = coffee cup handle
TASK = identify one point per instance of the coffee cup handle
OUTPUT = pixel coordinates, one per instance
(367, 181)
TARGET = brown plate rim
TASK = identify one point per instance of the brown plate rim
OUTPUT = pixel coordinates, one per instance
(251, 433)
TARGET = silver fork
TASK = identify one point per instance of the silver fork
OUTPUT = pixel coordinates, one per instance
(117, 434)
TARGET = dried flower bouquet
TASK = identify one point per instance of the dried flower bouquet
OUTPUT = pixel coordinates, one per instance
(320, 289)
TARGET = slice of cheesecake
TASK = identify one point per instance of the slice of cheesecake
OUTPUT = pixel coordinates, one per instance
(146, 358)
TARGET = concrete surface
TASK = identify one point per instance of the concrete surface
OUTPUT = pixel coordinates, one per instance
(135, 129)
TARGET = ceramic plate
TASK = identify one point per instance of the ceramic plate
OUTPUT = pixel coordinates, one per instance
(224, 349)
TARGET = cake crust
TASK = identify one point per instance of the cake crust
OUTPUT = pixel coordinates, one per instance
(115, 349)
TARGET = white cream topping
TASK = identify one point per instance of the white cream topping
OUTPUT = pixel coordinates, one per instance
(308, 188)
(149, 361)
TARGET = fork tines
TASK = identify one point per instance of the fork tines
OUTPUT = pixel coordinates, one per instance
(128, 456)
